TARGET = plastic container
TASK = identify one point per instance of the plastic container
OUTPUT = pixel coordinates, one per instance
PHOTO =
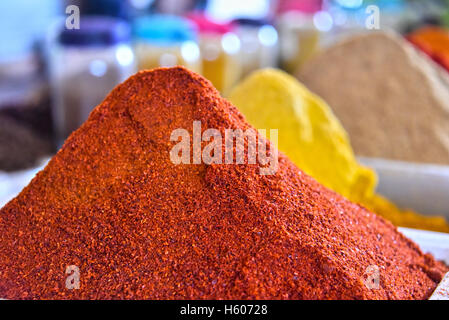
(85, 65)
(166, 41)
(220, 52)
(299, 39)
(421, 187)
(436, 243)
(259, 44)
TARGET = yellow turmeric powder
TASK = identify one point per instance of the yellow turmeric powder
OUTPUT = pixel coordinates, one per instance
(313, 138)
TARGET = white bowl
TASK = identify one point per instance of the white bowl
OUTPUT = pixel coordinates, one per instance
(420, 187)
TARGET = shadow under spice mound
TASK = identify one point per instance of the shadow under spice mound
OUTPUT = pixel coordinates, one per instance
(135, 225)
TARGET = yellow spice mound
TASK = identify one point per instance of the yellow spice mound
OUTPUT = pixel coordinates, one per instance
(313, 138)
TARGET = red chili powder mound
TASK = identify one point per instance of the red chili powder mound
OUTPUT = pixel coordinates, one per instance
(113, 204)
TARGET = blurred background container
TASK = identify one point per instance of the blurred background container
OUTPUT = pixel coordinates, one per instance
(220, 51)
(222, 39)
(259, 44)
(84, 65)
(166, 41)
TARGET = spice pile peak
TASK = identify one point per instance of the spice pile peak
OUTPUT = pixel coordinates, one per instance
(125, 222)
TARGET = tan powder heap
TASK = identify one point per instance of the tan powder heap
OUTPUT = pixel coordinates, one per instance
(392, 100)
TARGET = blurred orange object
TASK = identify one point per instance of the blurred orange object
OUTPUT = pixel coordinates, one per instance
(434, 41)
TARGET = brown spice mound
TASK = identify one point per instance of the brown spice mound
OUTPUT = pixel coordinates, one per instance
(20, 146)
(138, 226)
(392, 100)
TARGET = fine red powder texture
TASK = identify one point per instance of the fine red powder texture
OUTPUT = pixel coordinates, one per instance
(112, 203)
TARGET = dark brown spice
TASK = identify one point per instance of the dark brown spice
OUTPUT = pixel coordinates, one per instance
(138, 226)
(20, 146)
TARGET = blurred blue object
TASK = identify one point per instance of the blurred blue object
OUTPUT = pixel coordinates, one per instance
(22, 23)
(350, 4)
(164, 29)
(96, 31)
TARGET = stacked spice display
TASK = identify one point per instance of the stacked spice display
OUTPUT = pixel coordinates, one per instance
(148, 198)
(114, 206)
